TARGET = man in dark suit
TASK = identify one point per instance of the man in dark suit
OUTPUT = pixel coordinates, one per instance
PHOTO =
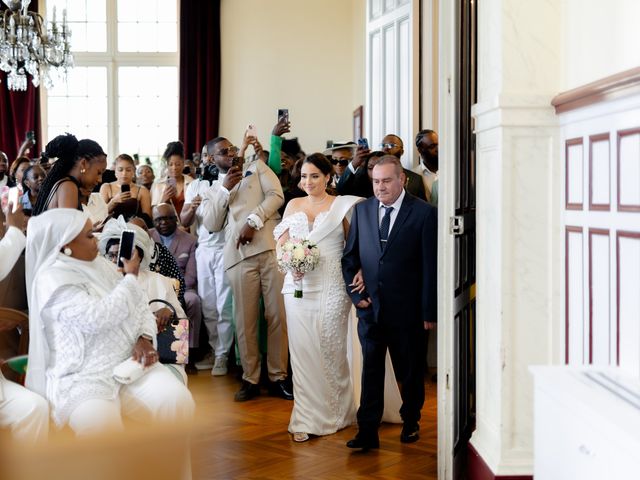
(392, 145)
(182, 246)
(393, 242)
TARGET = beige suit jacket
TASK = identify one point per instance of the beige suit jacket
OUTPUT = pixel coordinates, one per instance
(259, 193)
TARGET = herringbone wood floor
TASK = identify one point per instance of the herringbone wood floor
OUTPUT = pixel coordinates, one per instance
(250, 441)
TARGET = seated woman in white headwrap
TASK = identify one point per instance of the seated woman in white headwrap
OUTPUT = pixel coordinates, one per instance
(85, 319)
(156, 286)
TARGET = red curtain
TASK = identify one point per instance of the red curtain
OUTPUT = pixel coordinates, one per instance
(19, 112)
(199, 94)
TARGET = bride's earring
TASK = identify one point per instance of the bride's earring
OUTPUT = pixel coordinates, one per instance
(67, 251)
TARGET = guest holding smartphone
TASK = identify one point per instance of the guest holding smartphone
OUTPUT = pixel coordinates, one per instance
(124, 197)
(171, 189)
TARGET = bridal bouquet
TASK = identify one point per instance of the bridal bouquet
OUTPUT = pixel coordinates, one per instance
(297, 255)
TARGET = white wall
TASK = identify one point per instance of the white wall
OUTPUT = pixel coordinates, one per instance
(304, 55)
(599, 38)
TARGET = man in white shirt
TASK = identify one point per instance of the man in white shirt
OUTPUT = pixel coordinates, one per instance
(214, 289)
(427, 145)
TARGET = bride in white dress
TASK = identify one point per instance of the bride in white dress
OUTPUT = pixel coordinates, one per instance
(318, 323)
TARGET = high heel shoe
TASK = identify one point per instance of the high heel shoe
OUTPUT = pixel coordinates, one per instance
(300, 437)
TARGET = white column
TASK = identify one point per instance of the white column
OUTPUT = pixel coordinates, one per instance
(518, 172)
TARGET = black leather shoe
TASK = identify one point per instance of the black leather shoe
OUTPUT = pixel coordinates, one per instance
(280, 389)
(364, 442)
(410, 433)
(247, 392)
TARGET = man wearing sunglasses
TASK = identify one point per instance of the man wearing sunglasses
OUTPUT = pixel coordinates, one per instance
(341, 155)
(392, 145)
(244, 203)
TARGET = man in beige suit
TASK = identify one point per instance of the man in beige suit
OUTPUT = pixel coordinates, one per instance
(245, 203)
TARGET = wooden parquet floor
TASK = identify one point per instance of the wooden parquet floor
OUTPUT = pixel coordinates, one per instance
(250, 441)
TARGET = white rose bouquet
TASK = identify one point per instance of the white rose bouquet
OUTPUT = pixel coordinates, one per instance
(298, 256)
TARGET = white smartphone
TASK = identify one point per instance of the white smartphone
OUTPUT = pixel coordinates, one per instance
(14, 198)
(251, 131)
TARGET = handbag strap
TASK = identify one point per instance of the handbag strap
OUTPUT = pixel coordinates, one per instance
(174, 314)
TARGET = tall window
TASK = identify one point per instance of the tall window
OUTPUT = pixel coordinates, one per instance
(123, 92)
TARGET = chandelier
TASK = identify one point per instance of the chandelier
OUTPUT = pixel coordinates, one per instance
(31, 45)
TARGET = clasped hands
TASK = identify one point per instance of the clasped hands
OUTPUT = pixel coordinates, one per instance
(358, 287)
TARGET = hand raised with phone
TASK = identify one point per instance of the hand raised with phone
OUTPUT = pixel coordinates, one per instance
(234, 175)
(282, 126)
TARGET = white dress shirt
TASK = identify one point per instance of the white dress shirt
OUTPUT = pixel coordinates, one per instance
(394, 213)
(428, 178)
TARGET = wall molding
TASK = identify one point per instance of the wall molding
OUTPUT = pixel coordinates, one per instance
(479, 470)
(609, 88)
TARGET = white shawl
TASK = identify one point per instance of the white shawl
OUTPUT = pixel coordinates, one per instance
(47, 270)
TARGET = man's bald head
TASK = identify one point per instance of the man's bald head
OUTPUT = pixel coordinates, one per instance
(165, 219)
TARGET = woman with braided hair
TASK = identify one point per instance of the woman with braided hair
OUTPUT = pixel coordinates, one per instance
(76, 171)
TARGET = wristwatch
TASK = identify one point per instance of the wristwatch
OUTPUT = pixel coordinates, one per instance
(252, 223)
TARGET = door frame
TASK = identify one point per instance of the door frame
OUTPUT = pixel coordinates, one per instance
(447, 121)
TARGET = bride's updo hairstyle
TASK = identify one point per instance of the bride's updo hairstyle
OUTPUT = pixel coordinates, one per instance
(319, 161)
(68, 151)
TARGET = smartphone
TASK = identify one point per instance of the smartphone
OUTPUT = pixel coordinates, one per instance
(14, 198)
(127, 239)
(251, 131)
(363, 142)
(283, 112)
(172, 181)
(198, 171)
(235, 162)
(125, 188)
(31, 135)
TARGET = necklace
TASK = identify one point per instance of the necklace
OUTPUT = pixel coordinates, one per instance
(326, 195)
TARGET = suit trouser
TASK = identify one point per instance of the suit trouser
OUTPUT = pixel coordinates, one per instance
(406, 347)
(249, 278)
(215, 296)
(194, 313)
(26, 413)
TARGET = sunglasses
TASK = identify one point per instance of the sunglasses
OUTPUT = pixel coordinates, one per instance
(342, 163)
(171, 218)
(226, 151)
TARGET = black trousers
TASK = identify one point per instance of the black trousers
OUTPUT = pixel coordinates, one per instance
(406, 347)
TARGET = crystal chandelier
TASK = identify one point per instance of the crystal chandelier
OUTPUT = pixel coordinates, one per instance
(29, 44)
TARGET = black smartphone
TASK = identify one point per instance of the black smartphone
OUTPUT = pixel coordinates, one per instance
(198, 171)
(125, 188)
(31, 135)
(125, 250)
(283, 112)
(363, 142)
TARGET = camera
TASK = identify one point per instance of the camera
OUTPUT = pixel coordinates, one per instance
(209, 173)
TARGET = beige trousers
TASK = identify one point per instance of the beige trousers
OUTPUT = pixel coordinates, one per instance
(252, 277)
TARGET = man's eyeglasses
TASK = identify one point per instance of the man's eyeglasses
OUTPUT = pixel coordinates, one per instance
(171, 218)
(342, 163)
(389, 145)
(111, 256)
(223, 152)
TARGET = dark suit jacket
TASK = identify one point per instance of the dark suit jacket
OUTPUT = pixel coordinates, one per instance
(183, 249)
(401, 279)
(359, 184)
(414, 185)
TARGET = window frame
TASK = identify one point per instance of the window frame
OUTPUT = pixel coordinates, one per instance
(112, 59)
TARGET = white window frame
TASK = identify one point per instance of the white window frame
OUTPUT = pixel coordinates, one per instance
(112, 59)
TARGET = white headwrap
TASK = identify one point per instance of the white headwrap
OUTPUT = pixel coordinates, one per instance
(47, 269)
(114, 228)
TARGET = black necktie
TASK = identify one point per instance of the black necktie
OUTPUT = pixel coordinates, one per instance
(384, 226)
